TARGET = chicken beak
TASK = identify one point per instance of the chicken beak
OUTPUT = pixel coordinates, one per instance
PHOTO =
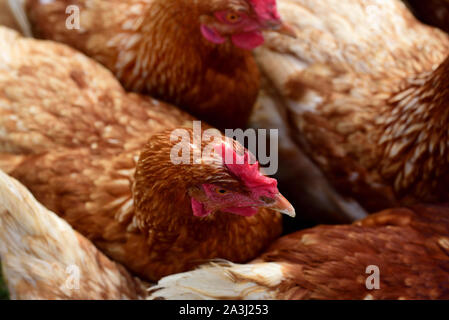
(282, 205)
(285, 29)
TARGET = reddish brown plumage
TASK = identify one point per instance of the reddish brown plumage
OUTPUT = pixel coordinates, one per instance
(73, 136)
(409, 247)
(155, 47)
(6, 17)
(363, 92)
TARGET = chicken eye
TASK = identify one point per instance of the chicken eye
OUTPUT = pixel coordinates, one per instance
(233, 17)
(221, 191)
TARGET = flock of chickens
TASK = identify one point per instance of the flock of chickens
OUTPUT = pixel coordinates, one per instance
(358, 89)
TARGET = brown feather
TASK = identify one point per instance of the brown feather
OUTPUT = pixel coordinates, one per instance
(155, 47)
(363, 93)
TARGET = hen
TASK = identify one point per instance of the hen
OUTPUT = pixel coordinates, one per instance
(44, 258)
(395, 254)
(194, 54)
(433, 12)
(103, 160)
(363, 92)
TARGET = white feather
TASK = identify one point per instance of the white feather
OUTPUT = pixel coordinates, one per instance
(222, 280)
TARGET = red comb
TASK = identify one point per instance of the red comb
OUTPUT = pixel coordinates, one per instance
(242, 168)
(265, 9)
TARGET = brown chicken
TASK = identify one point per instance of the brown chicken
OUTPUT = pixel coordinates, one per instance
(395, 254)
(363, 91)
(433, 12)
(194, 54)
(103, 160)
(44, 258)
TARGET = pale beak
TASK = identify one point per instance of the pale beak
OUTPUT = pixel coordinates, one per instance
(283, 28)
(282, 205)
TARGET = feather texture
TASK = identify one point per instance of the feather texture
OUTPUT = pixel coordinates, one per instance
(7, 18)
(433, 12)
(147, 44)
(362, 92)
(100, 158)
(406, 250)
(44, 258)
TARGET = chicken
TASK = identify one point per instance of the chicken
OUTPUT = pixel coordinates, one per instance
(396, 254)
(106, 161)
(433, 12)
(194, 54)
(362, 92)
(44, 258)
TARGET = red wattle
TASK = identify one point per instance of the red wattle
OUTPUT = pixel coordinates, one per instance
(198, 209)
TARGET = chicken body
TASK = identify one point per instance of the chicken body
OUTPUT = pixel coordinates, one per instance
(44, 258)
(73, 136)
(395, 254)
(362, 92)
(155, 47)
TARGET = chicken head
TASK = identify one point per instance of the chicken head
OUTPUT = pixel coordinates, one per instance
(259, 190)
(242, 21)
